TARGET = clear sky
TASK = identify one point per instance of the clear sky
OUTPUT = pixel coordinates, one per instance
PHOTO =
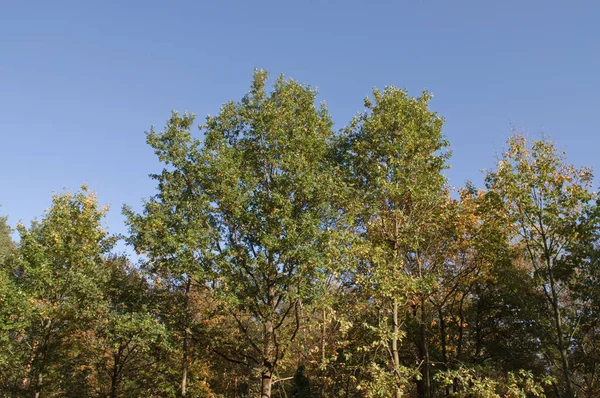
(81, 81)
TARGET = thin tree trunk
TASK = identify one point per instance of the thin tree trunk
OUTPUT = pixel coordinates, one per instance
(38, 386)
(427, 367)
(322, 389)
(554, 301)
(560, 334)
(425, 354)
(461, 317)
(460, 339)
(42, 358)
(185, 367)
(443, 339)
(25, 381)
(184, 358)
(114, 378)
(268, 360)
(398, 393)
(478, 326)
(425, 371)
(396, 357)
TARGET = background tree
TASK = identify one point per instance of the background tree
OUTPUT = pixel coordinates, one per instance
(123, 350)
(547, 200)
(485, 302)
(60, 270)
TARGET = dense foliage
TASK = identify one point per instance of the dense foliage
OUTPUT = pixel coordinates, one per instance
(280, 258)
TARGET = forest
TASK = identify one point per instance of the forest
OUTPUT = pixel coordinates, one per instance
(279, 257)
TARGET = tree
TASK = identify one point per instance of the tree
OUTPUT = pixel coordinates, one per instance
(546, 201)
(258, 192)
(584, 286)
(172, 232)
(395, 154)
(485, 303)
(60, 270)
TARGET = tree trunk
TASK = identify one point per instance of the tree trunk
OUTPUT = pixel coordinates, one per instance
(425, 391)
(114, 378)
(560, 334)
(266, 384)
(25, 381)
(323, 356)
(42, 358)
(425, 372)
(184, 358)
(396, 357)
(461, 317)
(443, 339)
(478, 325)
(116, 373)
(460, 338)
(38, 386)
(268, 360)
(398, 393)
(185, 370)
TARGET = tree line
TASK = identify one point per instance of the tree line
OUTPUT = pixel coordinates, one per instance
(281, 258)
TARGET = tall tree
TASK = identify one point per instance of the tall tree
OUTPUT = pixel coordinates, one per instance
(395, 153)
(259, 188)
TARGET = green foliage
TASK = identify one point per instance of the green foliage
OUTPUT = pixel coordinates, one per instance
(475, 383)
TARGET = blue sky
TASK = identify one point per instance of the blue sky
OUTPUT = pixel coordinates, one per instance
(81, 81)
